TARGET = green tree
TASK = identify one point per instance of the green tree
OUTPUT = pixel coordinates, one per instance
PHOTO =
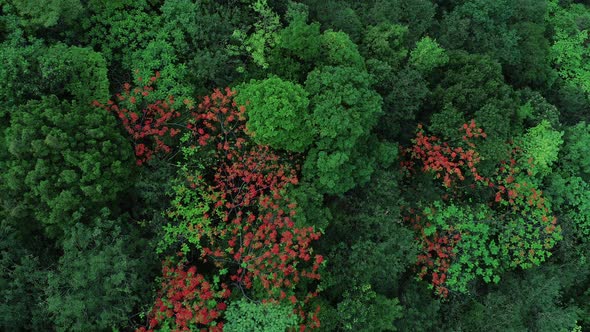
(511, 32)
(344, 109)
(74, 73)
(160, 56)
(472, 81)
(576, 150)
(570, 187)
(117, 28)
(444, 123)
(384, 48)
(339, 50)
(278, 113)
(299, 46)
(19, 72)
(338, 16)
(366, 242)
(48, 13)
(541, 145)
(57, 174)
(534, 67)
(428, 55)
(369, 251)
(363, 309)
(569, 52)
(69, 72)
(245, 315)
(405, 93)
(417, 15)
(478, 253)
(100, 279)
(571, 198)
(189, 48)
(23, 278)
(541, 109)
(482, 27)
(264, 36)
(508, 306)
(421, 311)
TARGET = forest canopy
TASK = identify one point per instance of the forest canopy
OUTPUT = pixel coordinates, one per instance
(295, 165)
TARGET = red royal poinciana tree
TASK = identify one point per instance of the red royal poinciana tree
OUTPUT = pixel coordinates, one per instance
(248, 233)
(252, 232)
(150, 125)
(525, 216)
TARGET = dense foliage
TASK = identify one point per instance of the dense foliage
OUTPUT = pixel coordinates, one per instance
(295, 165)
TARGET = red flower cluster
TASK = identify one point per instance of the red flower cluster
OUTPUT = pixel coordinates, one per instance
(442, 159)
(254, 235)
(250, 234)
(451, 163)
(148, 124)
(218, 119)
(252, 223)
(437, 252)
(188, 302)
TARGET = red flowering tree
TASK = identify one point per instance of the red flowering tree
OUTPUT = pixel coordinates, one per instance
(150, 125)
(438, 251)
(429, 154)
(460, 243)
(229, 213)
(446, 162)
(247, 231)
(187, 301)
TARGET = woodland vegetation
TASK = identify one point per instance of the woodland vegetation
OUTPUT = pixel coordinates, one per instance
(281, 165)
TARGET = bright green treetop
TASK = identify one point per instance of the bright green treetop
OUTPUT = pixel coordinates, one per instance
(278, 113)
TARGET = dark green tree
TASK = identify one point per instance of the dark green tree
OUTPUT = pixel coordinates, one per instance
(23, 278)
(66, 161)
(69, 72)
(509, 306)
(101, 279)
(369, 251)
(344, 109)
